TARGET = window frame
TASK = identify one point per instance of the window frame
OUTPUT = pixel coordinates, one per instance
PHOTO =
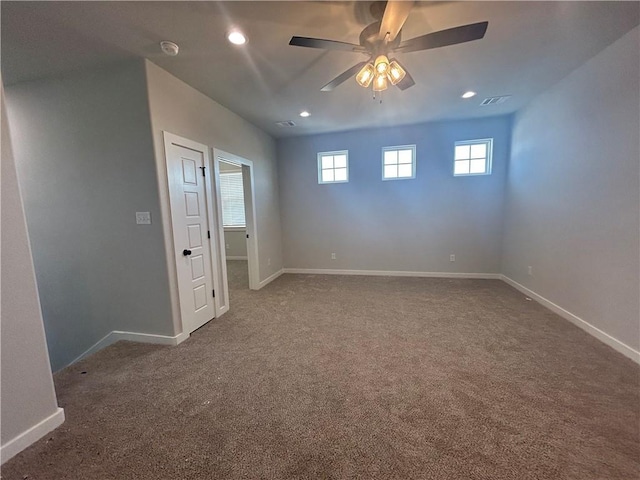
(488, 159)
(333, 154)
(397, 148)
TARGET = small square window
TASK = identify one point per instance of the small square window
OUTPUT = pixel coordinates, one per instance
(473, 157)
(399, 163)
(333, 167)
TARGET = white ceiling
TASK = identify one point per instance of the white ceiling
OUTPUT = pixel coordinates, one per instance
(528, 47)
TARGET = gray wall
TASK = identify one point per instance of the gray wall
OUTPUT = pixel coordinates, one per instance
(180, 109)
(402, 225)
(86, 164)
(573, 193)
(235, 243)
(28, 396)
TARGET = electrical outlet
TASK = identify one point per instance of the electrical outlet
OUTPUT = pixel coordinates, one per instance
(268, 262)
(143, 218)
(530, 270)
(333, 256)
(452, 258)
(227, 245)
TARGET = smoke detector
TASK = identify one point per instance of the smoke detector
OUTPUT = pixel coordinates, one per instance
(169, 48)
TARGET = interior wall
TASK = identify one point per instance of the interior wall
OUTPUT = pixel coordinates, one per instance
(86, 165)
(28, 396)
(180, 109)
(235, 242)
(397, 225)
(573, 193)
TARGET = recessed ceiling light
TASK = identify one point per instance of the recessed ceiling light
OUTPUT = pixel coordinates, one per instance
(468, 94)
(236, 37)
(304, 113)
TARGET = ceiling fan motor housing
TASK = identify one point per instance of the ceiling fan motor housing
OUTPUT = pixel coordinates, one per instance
(370, 39)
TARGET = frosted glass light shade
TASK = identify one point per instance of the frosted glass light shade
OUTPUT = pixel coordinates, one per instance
(396, 72)
(380, 83)
(382, 64)
(365, 75)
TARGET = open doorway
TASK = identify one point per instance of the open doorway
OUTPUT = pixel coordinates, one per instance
(234, 182)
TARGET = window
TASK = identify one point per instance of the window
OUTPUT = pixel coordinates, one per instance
(473, 157)
(399, 162)
(232, 195)
(333, 167)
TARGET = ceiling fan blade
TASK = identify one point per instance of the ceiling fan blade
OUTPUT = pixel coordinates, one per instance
(343, 77)
(325, 44)
(451, 36)
(395, 14)
(406, 82)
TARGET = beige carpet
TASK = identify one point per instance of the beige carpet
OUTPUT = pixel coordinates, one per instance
(237, 275)
(329, 377)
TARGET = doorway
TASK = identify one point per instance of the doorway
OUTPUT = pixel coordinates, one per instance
(235, 187)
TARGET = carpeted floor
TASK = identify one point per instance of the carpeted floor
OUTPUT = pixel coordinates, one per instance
(328, 377)
(237, 275)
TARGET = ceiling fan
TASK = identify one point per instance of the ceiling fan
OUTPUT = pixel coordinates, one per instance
(381, 39)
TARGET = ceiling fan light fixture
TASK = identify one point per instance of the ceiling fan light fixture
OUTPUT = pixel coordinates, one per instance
(365, 75)
(380, 83)
(396, 73)
(382, 64)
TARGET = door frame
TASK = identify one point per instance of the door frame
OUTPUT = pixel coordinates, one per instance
(168, 140)
(248, 184)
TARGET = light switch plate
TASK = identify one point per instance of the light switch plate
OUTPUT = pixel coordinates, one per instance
(143, 218)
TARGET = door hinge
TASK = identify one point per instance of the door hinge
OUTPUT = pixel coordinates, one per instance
(247, 235)
(203, 169)
(214, 293)
(208, 234)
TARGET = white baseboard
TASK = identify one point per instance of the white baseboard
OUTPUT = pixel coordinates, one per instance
(270, 278)
(236, 257)
(390, 273)
(150, 337)
(30, 436)
(604, 337)
(181, 337)
(118, 335)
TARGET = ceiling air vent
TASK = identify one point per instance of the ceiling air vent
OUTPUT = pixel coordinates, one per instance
(286, 123)
(495, 100)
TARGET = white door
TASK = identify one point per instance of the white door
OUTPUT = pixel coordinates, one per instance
(187, 165)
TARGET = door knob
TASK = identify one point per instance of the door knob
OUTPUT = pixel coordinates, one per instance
(186, 252)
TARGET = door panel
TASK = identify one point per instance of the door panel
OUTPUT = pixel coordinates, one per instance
(189, 215)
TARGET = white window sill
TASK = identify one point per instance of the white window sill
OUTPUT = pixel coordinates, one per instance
(235, 229)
